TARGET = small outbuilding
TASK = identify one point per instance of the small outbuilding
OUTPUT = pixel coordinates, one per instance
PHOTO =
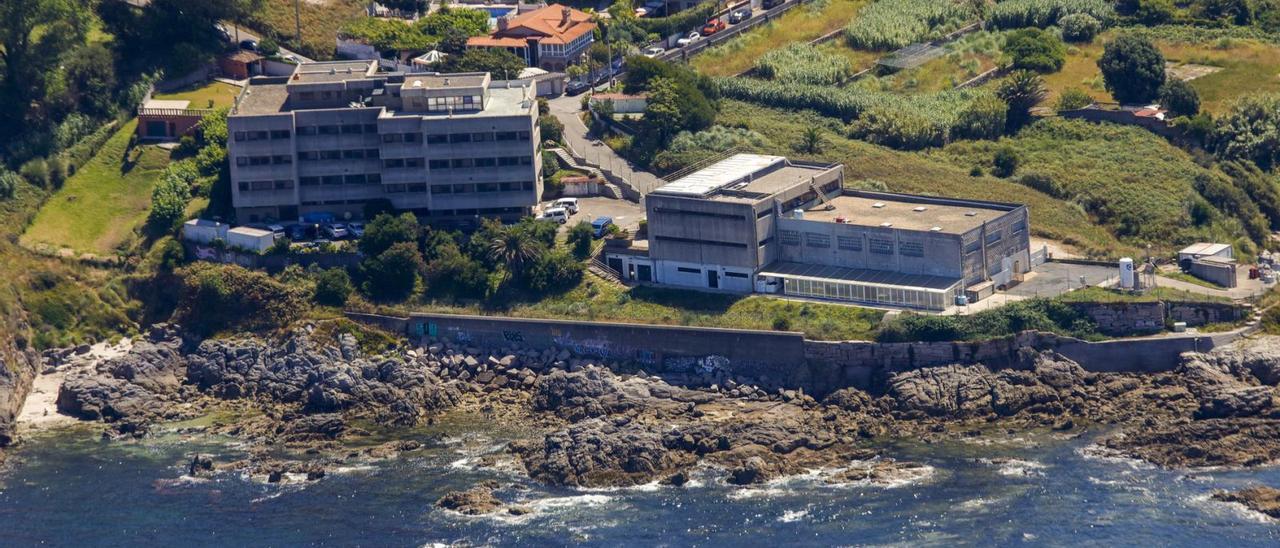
(204, 231)
(240, 65)
(1204, 250)
(250, 239)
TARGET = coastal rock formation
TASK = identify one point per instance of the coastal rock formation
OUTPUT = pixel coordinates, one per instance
(1258, 498)
(1199, 443)
(18, 367)
(475, 501)
(132, 389)
(1046, 385)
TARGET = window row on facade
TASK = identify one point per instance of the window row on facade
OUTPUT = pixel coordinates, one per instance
(261, 135)
(251, 186)
(875, 294)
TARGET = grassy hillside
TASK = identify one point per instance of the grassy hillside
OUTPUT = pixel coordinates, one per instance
(97, 210)
(801, 24)
(321, 20)
(923, 174)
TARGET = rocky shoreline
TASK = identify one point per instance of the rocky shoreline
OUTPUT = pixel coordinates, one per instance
(609, 425)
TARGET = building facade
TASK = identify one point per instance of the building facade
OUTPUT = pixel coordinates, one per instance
(766, 224)
(335, 135)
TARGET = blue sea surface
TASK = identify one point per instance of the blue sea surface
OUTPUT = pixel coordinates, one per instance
(71, 489)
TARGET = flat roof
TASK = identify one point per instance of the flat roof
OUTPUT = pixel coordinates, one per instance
(167, 103)
(905, 214)
(250, 231)
(865, 276)
(331, 71)
(261, 99)
(435, 80)
(1204, 248)
(720, 174)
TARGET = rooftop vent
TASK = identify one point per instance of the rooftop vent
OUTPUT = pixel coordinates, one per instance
(886, 225)
(446, 81)
(332, 70)
(878, 205)
(918, 209)
(417, 83)
(971, 214)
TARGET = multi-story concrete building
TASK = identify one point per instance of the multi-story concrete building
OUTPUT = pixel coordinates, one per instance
(762, 223)
(334, 135)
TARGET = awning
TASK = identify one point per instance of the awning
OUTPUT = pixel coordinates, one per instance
(863, 276)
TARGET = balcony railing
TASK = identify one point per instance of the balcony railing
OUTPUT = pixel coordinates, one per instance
(194, 112)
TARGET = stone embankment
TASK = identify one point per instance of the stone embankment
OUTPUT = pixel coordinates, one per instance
(18, 368)
(595, 423)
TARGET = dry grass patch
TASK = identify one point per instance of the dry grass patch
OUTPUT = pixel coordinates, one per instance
(801, 24)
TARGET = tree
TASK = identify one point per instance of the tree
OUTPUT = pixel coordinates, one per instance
(1132, 68)
(1073, 99)
(1079, 27)
(91, 79)
(1250, 130)
(501, 64)
(450, 272)
(468, 21)
(580, 240)
(811, 141)
(216, 297)
(553, 271)
(514, 249)
(333, 287)
(454, 42)
(387, 230)
(268, 47)
(34, 36)
(1180, 98)
(1022, 91)
(1035, 49)
(551, 128)
(391, 275)
(168, 202)
(9, 182)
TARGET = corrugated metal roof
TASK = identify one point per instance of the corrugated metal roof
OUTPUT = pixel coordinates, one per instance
(1204, 248)
(720, 174)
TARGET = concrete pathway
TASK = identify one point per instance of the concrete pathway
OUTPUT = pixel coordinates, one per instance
(594, 153)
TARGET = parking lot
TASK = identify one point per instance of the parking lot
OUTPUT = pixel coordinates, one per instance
(625, 214)
(1052, 279)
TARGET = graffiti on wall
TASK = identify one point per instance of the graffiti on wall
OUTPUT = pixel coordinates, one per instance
(701, 365)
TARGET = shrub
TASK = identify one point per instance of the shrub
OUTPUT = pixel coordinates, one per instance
(386, 230)
(1073, 99)
(555, 271)
(1250, 130)
(551, 128)
(1035, 49)
(9, 182)
(680, 22)
(1011, 14)
(1079, 27)
(36, 172)
(168, 202)
(74, 127)
(333, 287)
(803, 63)
(391, 275)
(893, 24)
(57, 171)
(217, 297)
(1132, 68)
(1004, 162)
(1032, 314)
(1044, 183)
(1180, 98)
(579, 239)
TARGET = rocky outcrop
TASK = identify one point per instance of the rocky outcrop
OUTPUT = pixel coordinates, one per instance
(1200, 443)
(133, 389)
(1046, 385)
(1237, 380)
(1258, 498)
(18, 368)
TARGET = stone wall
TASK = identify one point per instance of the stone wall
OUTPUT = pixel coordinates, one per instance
(1196, 314)
(777, 360)
(1125, 318)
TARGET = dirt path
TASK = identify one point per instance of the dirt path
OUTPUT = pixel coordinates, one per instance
(40, 410)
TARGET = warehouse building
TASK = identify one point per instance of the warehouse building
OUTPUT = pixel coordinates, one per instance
(766, 224)
(335, 135)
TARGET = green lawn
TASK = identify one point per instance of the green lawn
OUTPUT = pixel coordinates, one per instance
(1184, 277)
(1108, 295)
(595, 299)
(97, 210)
(207, 95)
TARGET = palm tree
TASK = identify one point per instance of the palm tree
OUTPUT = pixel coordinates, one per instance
(811, 142)
(513, 248)
(1022, 91)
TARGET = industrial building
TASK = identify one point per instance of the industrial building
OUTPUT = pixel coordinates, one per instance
(765, 224)
(335, 135)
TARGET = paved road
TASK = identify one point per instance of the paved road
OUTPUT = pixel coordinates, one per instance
(567, 109)
(246, 34)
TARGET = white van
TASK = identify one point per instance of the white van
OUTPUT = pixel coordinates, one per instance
(557, 214)
(570, 204)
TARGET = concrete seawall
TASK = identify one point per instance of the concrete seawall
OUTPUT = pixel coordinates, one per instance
(782, 359)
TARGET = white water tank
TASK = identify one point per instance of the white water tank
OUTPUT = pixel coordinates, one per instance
(1126, 273)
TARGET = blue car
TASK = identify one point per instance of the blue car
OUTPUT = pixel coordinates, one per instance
(600, 226)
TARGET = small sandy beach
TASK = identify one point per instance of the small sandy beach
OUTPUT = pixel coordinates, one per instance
(40, 410)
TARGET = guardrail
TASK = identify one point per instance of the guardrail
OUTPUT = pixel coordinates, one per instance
(196, 112)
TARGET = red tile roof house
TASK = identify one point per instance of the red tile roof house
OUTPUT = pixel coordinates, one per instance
(168, 120)
(551, 37)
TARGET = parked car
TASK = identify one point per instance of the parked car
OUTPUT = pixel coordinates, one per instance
(713, 26)
(250, 44)
(557, 214)
(654, 51)
(335, 231)
(356, 229)
(600, 226)
(739, 15)
(223, 32)
(569, 204)
(576, 87)
(691, 38)
(299, 232)
(770, 4)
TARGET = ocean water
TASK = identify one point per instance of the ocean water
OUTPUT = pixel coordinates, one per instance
(71, 489)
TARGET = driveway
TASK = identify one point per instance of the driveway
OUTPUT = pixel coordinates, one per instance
(246, 34)
(625, 214)
(1052, 279)
(595, 154)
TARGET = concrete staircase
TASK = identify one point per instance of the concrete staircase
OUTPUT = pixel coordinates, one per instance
(605, 272)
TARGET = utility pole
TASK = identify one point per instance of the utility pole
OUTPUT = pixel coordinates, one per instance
(297, 23)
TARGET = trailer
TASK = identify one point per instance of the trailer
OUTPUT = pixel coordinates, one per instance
(204, 231)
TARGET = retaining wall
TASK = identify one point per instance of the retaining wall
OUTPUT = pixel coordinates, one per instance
(781, 359)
